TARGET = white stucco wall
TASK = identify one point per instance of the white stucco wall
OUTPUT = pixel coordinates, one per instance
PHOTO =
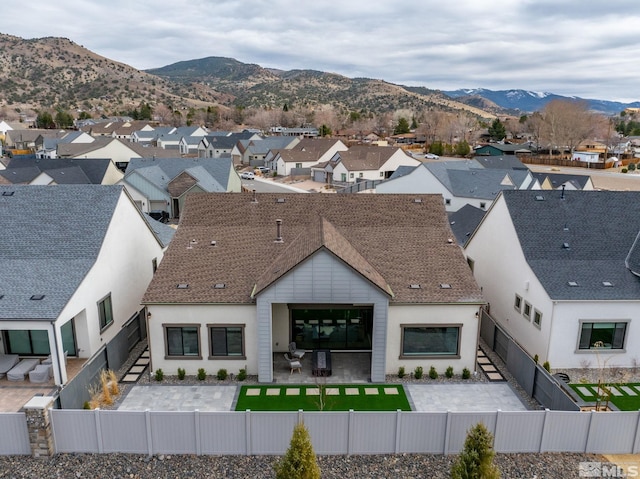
(502, 272)
(564, 352)
(433, 315)
(123, 269)
(202, 315)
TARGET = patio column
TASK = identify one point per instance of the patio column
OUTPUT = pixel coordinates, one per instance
(39, 426)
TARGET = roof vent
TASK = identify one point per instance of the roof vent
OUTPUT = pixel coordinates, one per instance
(450, 240)
(37, 297)
(8, 193)
(573, 284)
(219, 286)
(565, 245)
(608, 284)
(414, 286)
(539, 198)
(255, 197)
(182, 285)
(279, 231)
(280, 200)
(417, 200)
(445, 286)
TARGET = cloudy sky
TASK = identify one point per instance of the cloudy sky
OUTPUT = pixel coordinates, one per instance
(586, 48)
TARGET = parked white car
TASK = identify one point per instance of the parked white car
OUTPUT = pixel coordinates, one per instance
(247, 175)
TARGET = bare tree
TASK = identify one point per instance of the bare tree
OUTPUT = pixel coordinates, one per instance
(566, 123)
(163, 114)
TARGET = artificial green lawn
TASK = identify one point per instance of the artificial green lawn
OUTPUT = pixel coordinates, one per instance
(307, 401)
(625, 402)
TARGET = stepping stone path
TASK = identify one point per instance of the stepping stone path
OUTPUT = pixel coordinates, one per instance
(628, 390)
(297, 391)
(488, 368)
(139, 367)
(585, 391)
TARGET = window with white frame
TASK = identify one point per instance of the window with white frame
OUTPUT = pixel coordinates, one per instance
(226, 341)
(602, 335)
(537, 317)
(430, 340)
(517, 304)
(526, 312)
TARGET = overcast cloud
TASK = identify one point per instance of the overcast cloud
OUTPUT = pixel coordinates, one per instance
(585, 48)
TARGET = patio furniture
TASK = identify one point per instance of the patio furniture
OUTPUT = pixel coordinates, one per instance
(293, 364)
(41, 373)
(321, 362)
(18, 372)
(295, 352)
(7, 361)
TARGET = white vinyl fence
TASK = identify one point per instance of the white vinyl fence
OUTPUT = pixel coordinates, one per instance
(14, 436)
(258, 433)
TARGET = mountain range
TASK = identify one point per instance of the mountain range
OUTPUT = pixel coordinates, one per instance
(56, 72)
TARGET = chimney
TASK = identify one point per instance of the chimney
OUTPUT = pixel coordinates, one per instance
(255, 197)
(279, 232)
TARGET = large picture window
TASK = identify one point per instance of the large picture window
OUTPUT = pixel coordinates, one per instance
(606, 335)
(105, 312)
(430, 341)
(337, 328)
(182, 341)
(227, 341)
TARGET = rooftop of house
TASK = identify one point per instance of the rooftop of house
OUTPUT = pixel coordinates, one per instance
(63, 171)
(558, 179)
(52, 236)
(366, 157)
(580, 244)
(464, 222)
(393, 241)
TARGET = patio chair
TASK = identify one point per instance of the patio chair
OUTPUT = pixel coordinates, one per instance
(295, 352)
(41, 373)
(293, 364)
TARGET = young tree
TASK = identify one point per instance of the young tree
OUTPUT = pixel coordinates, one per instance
(476, 459)
(45, 120)
(497, 131)
(299, 462)
(402, 127)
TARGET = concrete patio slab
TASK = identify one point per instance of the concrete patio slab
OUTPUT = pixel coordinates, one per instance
(464, 397)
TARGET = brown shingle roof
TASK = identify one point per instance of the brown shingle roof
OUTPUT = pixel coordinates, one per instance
(364, 158)
(391, 240)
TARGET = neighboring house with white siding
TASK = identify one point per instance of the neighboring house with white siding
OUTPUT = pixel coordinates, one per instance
(365, 162)
(75, 263)
(560, 271)
(248, 273)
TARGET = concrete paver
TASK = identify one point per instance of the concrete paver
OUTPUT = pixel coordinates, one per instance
(179, 398)
(464, 397)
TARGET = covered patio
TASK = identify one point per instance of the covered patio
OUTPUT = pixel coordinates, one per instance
(346, 368)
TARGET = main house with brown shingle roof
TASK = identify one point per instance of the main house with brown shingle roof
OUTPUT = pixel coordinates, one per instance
(248, 273)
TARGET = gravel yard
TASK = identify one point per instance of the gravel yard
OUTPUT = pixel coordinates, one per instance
(410, 466)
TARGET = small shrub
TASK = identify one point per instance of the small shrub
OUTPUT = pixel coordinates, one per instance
(418, 372)
(433, 374)
(86, 405)
(476, 458)
(181, 374)
(631, 167)
(242, 375)
(624, 170)
(466, 374)
(222, 374)
(401, 372)
(113, 383)
(300, 460)
(202, 374)
(159, 374)
(449, 372)
(547, 366)
(535, 359)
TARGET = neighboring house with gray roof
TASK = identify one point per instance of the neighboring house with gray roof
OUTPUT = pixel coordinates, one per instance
(253, 152)
(558, 181)
(460, 183)
(246, 274)
(560, 271)
(500, 149)
(60, 171)
(305, 154)
(219, 145)
(76, 261)
(162, 184)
